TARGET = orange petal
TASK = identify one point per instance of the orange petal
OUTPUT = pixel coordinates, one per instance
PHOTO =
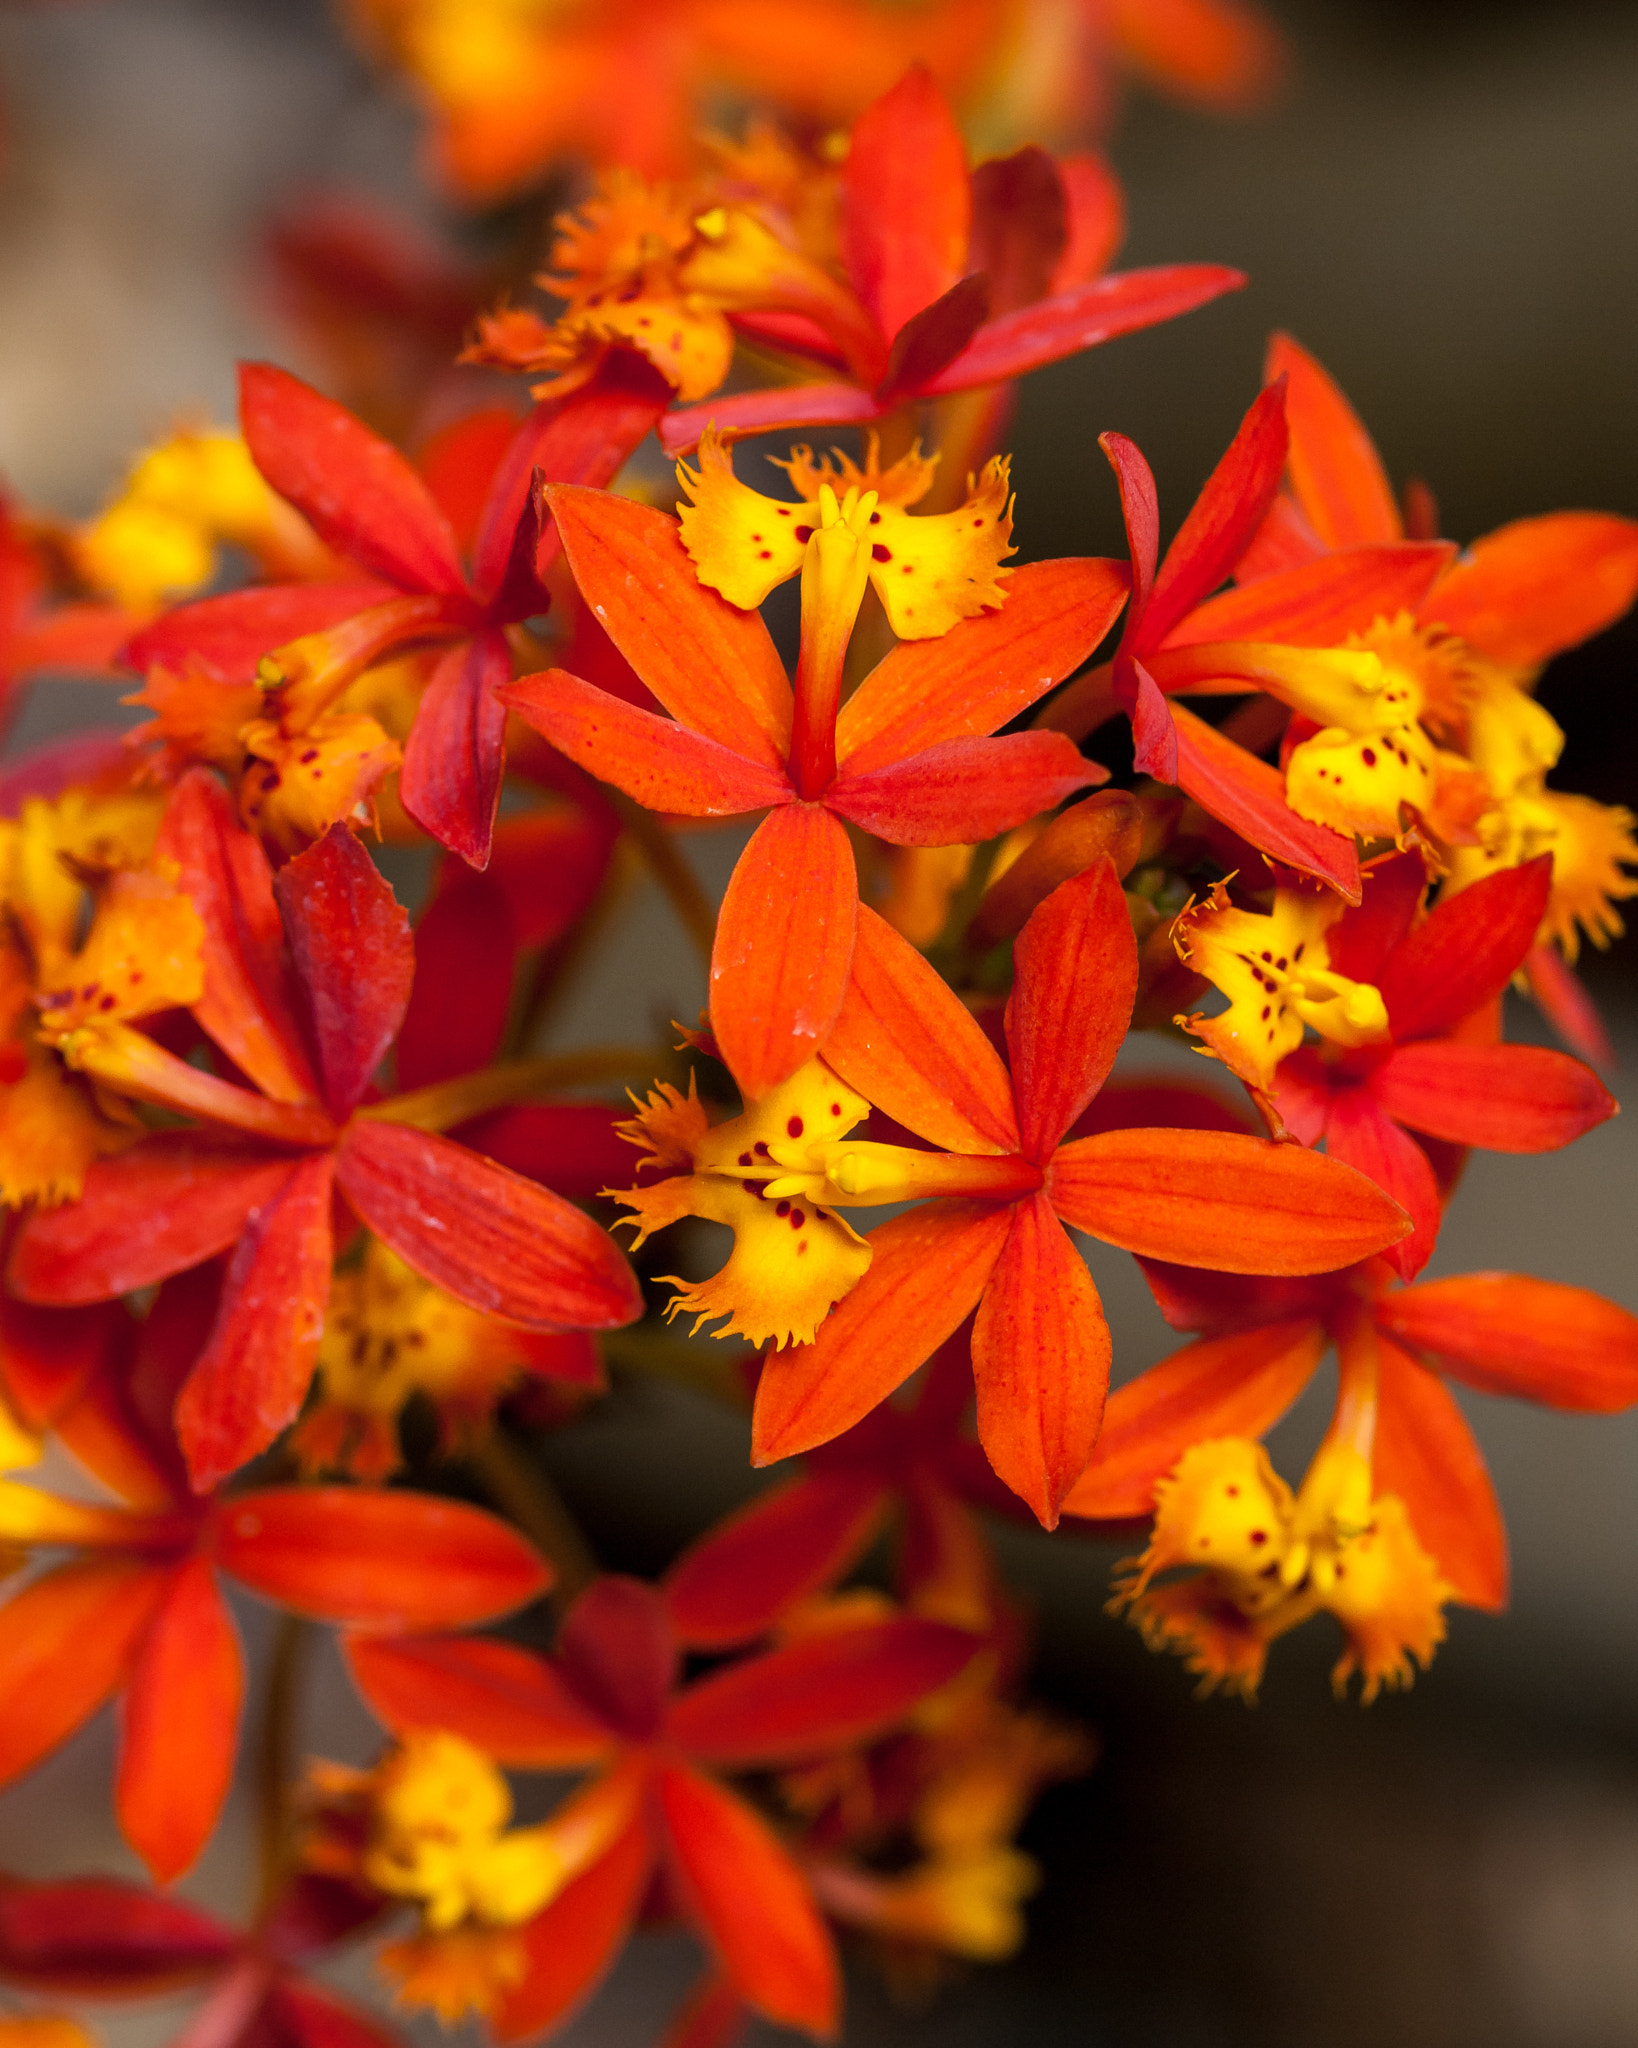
(511, 1704)
(1208, 1198)
(928, 1269)
(1535, 1340)
(910, 1045)
(1077, 968)
(711, 666)
(1317, 604)
(1223, 1386)
(1336, 472)
(906, 201)
(1508, 1098)
(181, 1725)
(751, 1902)
(1041, 1361)
(1537, 586)
(571, 1946)
(1425, 1454)
(784, 944)
(66, 1642)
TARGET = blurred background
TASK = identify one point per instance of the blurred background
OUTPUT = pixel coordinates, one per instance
(1444, 208)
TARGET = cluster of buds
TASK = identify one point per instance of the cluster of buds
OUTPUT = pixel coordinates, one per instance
(297, 1207)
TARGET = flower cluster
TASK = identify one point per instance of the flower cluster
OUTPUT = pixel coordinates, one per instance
(310, 1249)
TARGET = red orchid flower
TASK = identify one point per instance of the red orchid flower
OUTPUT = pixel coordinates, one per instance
(1261, 1340)
(1440, 1075)
(138, 1608)
(36, 635)
(101, 1937)
(364, 500)
(609, 1697)
(993, 1236)
(972, 277)
(909, 757)
(323, 950)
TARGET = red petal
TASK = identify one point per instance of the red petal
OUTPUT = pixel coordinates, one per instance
(1140, 510)
(1362, 940)
(1208, 1198)
(1316, 604)
(1222, 521)
(570, 1147)
(1154, 735)
(769, 412)
(660, 763)
(1021, 223)
(457, 463)
(350, 940)
(1041, 1361)
(511, 1704)
(1249, 797)
(820, 1693)
(355, 490)
(247, 1005)
(491, 1238)
(170, 1202)
(1532, 1339)
(1222, 1386)
(1076, 965)
(930, 1266)
(366, 1559)
(751, 1902)
(312, 2018)
(617, 1650)
(1425, 1453)
(1563, 999)
(935, 336)
(181, 1725)
(1217, 1304)
(711, 666)
(571, 1946)
(1360, 1133)
(964, 791)
(906, 201)
(1336, 472)
(1150, 1100)
(740, 1579)
(67, 1641)
(909, 1044)
(986, 669)
(454, 757)
(229, 635)
(101, 1935)
(1097, 218)
(46, 1354)
(784, 944)
(1046, 332)
(253, 1374)
(1508, 1098)
(1531, 589)
(1466, 951)
(465, 953)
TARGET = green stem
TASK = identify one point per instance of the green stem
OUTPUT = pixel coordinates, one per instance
(516, 1484)
(276, 1761)
(676, 879)
(445, 1103)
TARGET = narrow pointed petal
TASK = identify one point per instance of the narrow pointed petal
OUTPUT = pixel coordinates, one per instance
(465, 941)
(658, 762)
(181, 1725)
(913, 1048)
(363, 1558)
(1081, 318)
(1508, 1098)
(711, 666)
(310, 2018)
(964, 791)
(1021, 209)
(817, 1694)
(1222, 521)
(906, 201)
(1562, 997)
(1531, 1339)
(510, 1703)
(738, 1581)
(1466, 951)
(105, 1935)
(350, 940)
(229, 635)
(67, 1641)
(933, 338)
(1360, 1132)
(1154, 735)
(987, 669)
(1140, 511)
(494, 1240)
(253, 1374)
(355, 490)
(618, 1651)
(1317, 604)
(1248, 796)
(1425, 1453)
(1222, 1386)
(248, 1003)
(1529, 590)
(1336, 472)
(171, 1202)
(1208, 1198)
(1362, 941)
(784, 945)
(929, 1268)
(769, 412)
(454, 758)
(751, 1902)
(47, 1355)
(1076, 965)
(572, 1946)
(1041, 1362)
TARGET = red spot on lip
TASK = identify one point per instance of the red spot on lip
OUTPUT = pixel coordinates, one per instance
(784, 1209)
(880, 554)
(794, 1126)
(797, 1219)
(804, 533)
(745, 1159)
(761, 1146)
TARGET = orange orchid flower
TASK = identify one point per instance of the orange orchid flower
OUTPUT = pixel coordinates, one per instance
(991, 1237)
